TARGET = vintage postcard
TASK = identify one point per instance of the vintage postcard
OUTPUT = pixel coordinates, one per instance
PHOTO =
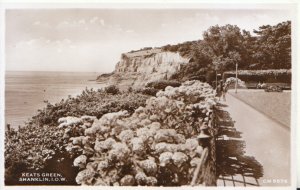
(161, 95)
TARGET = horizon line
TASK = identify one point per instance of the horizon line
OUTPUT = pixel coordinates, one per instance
(53, 71)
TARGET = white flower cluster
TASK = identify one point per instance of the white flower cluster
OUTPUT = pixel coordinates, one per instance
(190, 92)
(232, 80)
(138, 149)
(80, 161)
(67, 121)
(103, 125)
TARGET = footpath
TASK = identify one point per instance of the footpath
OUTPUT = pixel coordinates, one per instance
(266, 140)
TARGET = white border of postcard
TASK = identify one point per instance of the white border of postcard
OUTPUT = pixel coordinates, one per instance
(292, 5)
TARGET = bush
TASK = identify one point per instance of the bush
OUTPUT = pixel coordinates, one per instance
(268, 76)
(156, 145)
(162, 84)
(185, 48)
(130, 89)
(112, 89)
(191, 71)
(90, 102)
(153, 87)
(149, 91)
(46, 136)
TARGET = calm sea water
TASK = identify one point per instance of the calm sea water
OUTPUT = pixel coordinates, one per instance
(25, 92)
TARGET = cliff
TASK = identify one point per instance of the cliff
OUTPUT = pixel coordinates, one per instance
(137, 68)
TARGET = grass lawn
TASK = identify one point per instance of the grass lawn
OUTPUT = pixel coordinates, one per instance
(274, 104)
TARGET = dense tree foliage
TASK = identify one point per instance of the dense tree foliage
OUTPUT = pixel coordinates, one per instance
(185, 48)
(223, 47)
(273, 46)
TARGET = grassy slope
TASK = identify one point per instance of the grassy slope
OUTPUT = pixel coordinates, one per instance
(273, 104)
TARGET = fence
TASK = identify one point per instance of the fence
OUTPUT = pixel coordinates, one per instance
(205, 173)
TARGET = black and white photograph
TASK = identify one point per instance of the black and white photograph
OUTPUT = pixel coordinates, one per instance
(153, 95)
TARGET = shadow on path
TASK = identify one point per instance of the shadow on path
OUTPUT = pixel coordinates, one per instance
(233, 165)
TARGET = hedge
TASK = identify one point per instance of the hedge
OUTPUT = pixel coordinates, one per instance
(267, 76)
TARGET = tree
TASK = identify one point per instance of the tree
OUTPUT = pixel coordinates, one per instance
(273, 46)
(234, 57)
(224, 46)
(221, 47)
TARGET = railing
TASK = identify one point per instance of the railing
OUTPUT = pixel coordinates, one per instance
(205, 171)
(202, 161)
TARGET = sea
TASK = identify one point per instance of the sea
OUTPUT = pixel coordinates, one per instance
(27, 91)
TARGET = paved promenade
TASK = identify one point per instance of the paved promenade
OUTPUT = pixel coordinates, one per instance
(266, 140)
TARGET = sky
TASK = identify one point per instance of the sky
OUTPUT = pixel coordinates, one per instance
(92, 40)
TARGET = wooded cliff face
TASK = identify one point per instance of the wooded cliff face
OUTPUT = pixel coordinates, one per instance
(135, 69)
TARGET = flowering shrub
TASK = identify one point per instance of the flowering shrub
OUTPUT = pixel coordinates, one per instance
(156, 144)
(158, 139)
(232, 81)
(152, 88)
(40, 141)
(90, 102)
